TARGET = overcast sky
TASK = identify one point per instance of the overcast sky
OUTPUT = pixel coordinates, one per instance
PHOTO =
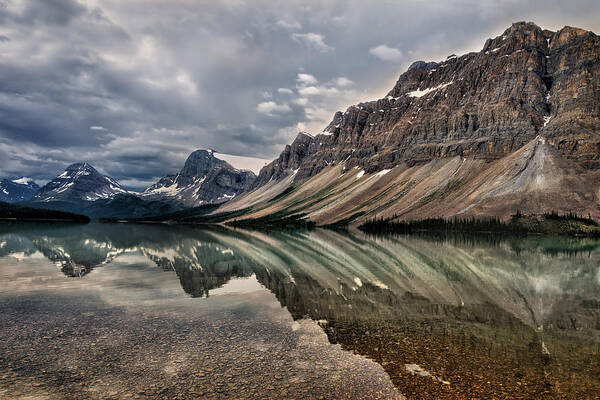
(133, 86)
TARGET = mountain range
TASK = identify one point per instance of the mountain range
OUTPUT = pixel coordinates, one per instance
(204, 179)
(79, 182)
(513, 127)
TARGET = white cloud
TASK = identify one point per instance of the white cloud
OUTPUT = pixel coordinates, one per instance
(285, 91)
(312, 40)
(317, 90)
(306, 79)
(317, 114)
(301, 101)
(289, 25)
(97, 128)
(386, 53)
(343, 82)
(309, 91)
(270, 107)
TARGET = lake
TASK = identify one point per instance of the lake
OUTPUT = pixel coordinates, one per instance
(153, 311)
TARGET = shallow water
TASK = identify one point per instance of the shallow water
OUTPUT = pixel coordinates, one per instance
(145, 311)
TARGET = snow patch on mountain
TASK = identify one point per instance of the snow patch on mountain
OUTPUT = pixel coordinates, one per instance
(422, 92)
(23, 181)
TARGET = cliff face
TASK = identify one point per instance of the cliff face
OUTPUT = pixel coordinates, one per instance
(524, 83)
(515, 126)
(290, 159)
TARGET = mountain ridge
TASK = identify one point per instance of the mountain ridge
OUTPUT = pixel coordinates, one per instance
(403, 122)
(443, 127)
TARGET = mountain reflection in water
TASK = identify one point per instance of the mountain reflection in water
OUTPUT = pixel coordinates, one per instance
(446, 317)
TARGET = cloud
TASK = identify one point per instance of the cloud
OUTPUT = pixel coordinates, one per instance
(317, 90)
(385, 53)
(312, 40)
(270, 107)
(306, 79)
(131, 68)
(301, 101)
(97, 128)
(343, 82)
(289, 25)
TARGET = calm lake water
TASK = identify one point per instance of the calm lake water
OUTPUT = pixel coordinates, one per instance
(145, 311)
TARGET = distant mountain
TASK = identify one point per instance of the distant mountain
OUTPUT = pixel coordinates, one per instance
(204, 179)
(15, 190)
(82, 189)
(129, 206)
(79, 183)
(513, 127)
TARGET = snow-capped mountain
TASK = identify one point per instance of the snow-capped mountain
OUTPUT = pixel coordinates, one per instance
(15, 190)
(204, 179)
(79, 183)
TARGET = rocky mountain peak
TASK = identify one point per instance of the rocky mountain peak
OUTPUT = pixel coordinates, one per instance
(78, 170)
(204, 179)
(423, 65)
(201, 162)
(567, 34)
(520, 36)
(79, 182)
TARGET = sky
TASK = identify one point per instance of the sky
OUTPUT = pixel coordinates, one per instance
(134, 86)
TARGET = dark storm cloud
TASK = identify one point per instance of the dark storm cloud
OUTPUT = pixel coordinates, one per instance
(134, 86)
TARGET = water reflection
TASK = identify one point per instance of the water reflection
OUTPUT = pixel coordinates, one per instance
(446, 317)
